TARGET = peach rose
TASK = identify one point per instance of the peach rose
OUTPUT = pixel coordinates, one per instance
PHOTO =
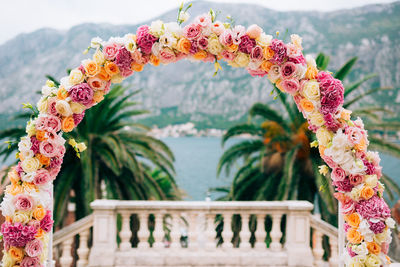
(43, 159)
(183, 45)
(62, 93)
(254, 31)
(13, 176)
(306, 105)
(373, 248)
(111, 68)
(39, 213)
(155, 61)
(41, 135)
(16, 253)
(367, 192)
(104, 75)
(98, 96)
(268, 53)
(354, 236)
(67, 124)
(311, 73)
(15, 189)
(353, 220)
(137, 67)
(266, 65)
(91, 68)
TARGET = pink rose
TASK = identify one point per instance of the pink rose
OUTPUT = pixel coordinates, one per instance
(203, 20)
(218, 28)
(167, 56)
(31, 262)
(256, 53)
(48, 123)
(144, 39)
(35, 145)
(96, 83)
(347, 206)
(288, 69)
(51, 106)
(257, 72)
(82, 93)
(54, 171)
(385, 247)
(237, 32)
(226, 38)
(227, 56)
(42, 177)
(34, 248)
(55, 162)
(338, 174)
(48, 148)
(356, 179)
(202, 43)
(192, 31)
(254, 31)
(78, 118)
(246, 44)
(290, 86)
(110, 51)
(23, 202)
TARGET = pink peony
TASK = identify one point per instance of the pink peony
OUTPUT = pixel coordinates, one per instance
(78, 118)
(31, 262)
(377, 227)
(288, 69)
(246, 44)
(167, 56)
(356, 179)
(35, 145)
(110, 51)
(331, 122)
(343, 186)
(226, 38)
(346, 227)
(279, 49)
(42, 177)
(370, 167)
(17, 234)
(34, 248)
(144, 39)
(202, 43)
(82, 93)
(23, 202)
(256, 53)
(373, 208)
(338, 174)
(332, 92)
(56, 162)
(47, 223)
(322, 75)
(48, 148)
(290, 86)
(123, 60)
(192, 31)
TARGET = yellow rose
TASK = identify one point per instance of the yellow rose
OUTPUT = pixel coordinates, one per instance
(77, 108)
(381, 237)
(355, 193)
(98, 96)
(118, 78)
(98, 57)
(372, 261)
(42, 105)
(22, 217)
(324, 136)
(311, 90)
(316, 119)
(356, 262)
(30, 165)
(8, 261)
(214, 46)
(241, 60)
(75, 77)
(371, 180)
(63, 108)
(30, 128)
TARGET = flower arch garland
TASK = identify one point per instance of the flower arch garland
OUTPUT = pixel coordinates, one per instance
(342, 142)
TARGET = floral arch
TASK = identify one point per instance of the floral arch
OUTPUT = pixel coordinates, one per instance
(342, 142)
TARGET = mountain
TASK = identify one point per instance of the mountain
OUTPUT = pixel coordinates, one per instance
(187, 91)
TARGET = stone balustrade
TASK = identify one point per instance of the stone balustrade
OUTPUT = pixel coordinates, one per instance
(186, 233)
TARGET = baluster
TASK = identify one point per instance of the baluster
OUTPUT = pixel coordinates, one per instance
(260, 232)
(210, 232)
(192, 231)
(227, 233)
(175, 231)
(143, 233)
(66, 257)
(318, 250)
(334, 259)
(245, 233)
(158, 233)
(126, 232)
(276, 232)
(83, 250)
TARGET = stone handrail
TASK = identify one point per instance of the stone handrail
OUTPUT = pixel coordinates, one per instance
(72, 230)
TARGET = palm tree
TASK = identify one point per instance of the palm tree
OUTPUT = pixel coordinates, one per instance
(120, 155)
(277, 162)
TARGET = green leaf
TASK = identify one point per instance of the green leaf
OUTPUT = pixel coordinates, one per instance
(345, 69)
(322, 61)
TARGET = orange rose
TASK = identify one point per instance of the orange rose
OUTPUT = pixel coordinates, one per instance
(39, 213)
(29, 186)
(373, 248)
(8, 219)
(98, 96)
(278, 84)
(201, 54)
(232, 48)
(39, 233)
(268, 53)
(354, 236)
(16, 253)
(311, 73)
(67, 124)
(266, 65)
(367, 192)
(13, 176)
(41, 135)
(361, 146)
(306, 105)
(154, 60)
(43, 159)
(136, 67)
(345, 114)
(183, 45)
(103, 75)
(111, 68)
(91, 68)
(62, 93)
(14, 189)
(353, 220)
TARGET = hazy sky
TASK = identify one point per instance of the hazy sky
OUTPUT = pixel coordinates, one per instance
(18, 16)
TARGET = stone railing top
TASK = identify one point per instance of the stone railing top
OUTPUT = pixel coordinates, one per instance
(324, 227)
(234, 206)
(72, 229)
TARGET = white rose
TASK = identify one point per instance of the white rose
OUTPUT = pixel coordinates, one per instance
(27, 154)
(301, 71)
(371, 180)
(63, 108)
(30, 165)
(241, 60)
(76, 76)
(361, 249)
(173, 28)
(7, 206)
(96, 42)
(168, 40)
(264, 39)
(8, 260)
(118, 78)
(355, 192)
(340, 140)
(274, 73)
(316, 119)
(157, 28)
(365, 231)
(357, 261)
(324, 136)
(311, 90)
(42, 105)
(311, 61)
(296, 40)
(22, 217)
(46, 90)
(214, 46)
(98, 57)
(24, 145)
(42, 197)
(183, 16)
(372, 261)
(28, 177)
(254, 65)
(64, 82)
(390, 222)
